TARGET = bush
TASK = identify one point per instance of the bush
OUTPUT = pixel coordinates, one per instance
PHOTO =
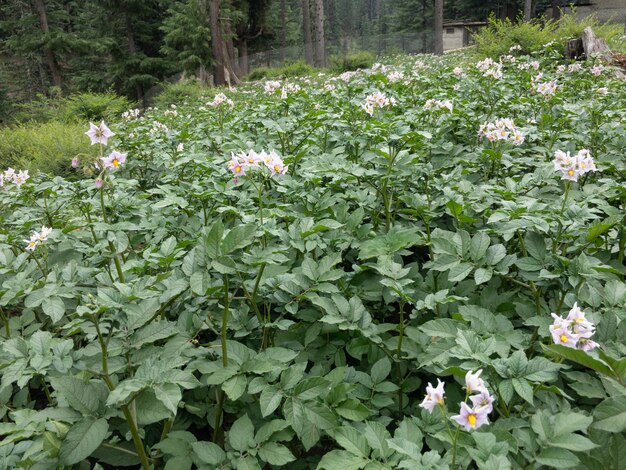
(47, 147)
(353, 61)
(294, 69)
(500, 35)
(81, 107)
(95, 107)
(175, 93)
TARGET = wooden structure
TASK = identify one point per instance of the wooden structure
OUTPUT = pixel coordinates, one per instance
(458, 34)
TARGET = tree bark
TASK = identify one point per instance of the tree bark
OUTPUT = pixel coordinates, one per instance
(528, 9)
(556, 11)
(51, 59)
(320, 47)
(132, 49)
(219, 78)
(306, 25)
(438, 27)
(242, 50)
(283, 32)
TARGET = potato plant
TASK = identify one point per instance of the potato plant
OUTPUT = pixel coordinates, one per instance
(418, 265)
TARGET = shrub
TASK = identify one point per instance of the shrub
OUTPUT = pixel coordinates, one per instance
(352, 61)
(95, 107)
(47, 147)
(500, 35)
(294, 69)
(174, 93)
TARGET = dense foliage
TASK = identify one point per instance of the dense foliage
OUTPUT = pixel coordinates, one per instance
(271, 278)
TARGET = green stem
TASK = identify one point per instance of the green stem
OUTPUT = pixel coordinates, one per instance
(116, 258)
(139, 447)
(398, 357)
(560, 229)
(225, 323)
(5, 319)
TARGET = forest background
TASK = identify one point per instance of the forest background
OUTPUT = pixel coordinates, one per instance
(61, 47)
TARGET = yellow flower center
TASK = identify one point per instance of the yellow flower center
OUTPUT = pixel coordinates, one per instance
(580, 320)
(570, 172)
(276, 168)
(471, 419)
(563, 338)
(440, 401)
(237, 169)
(116, 162)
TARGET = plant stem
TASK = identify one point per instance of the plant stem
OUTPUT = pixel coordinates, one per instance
(398, 357)
(116, 259)
(132, 426)
(225, 323)
(560, 229)
(5, 319)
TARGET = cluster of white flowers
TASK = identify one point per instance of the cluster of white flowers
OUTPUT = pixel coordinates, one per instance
(490, 68)
(346, 76)
(377, 100)
(221, 99)
(18, 178)
(395, 76)
(470, 418)
(572, 167)
(37, 237)
(329, 87)
(170, 112)
(432, 103)
(271, 86)
(243, 161)
(529, 65)
(501, 129)
(458, 71)
(602, 91)
(131, 114)
(515, 48)
(289, 88)
(574, 331)
(596, 70)
(577, 67)
(546, 89)
(158, 127)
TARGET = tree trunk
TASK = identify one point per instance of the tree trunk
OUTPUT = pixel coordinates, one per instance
(283, 32)
(216, 43)
(51, 59)
(242, 49)
(438, 27)
(230, 61)
(528, 8)
(306, 25)
(132, 49)
(320, 47)
(556, 11)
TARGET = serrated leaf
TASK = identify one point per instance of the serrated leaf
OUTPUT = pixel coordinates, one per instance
(82, 440)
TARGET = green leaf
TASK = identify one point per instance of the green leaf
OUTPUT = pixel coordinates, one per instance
(353, 441)
(535, 245)
(341, 460)
(311, 388)
(482, 275)
(152, 332)
(170, 395)
(460, 272)
(275, 454)
(82, 440)
(241, 434)
(479, 245)
(574, 442)
(523, 389)
(610, 415)
(380, 370)
(208, 452)
(557, 458)
(80, 395)
(441, 328)
(270, 399)
(54, 307)
(235, 386)
(353, 410)
(495, 254)
(377, 435)
(238, 237)
(578, 356)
